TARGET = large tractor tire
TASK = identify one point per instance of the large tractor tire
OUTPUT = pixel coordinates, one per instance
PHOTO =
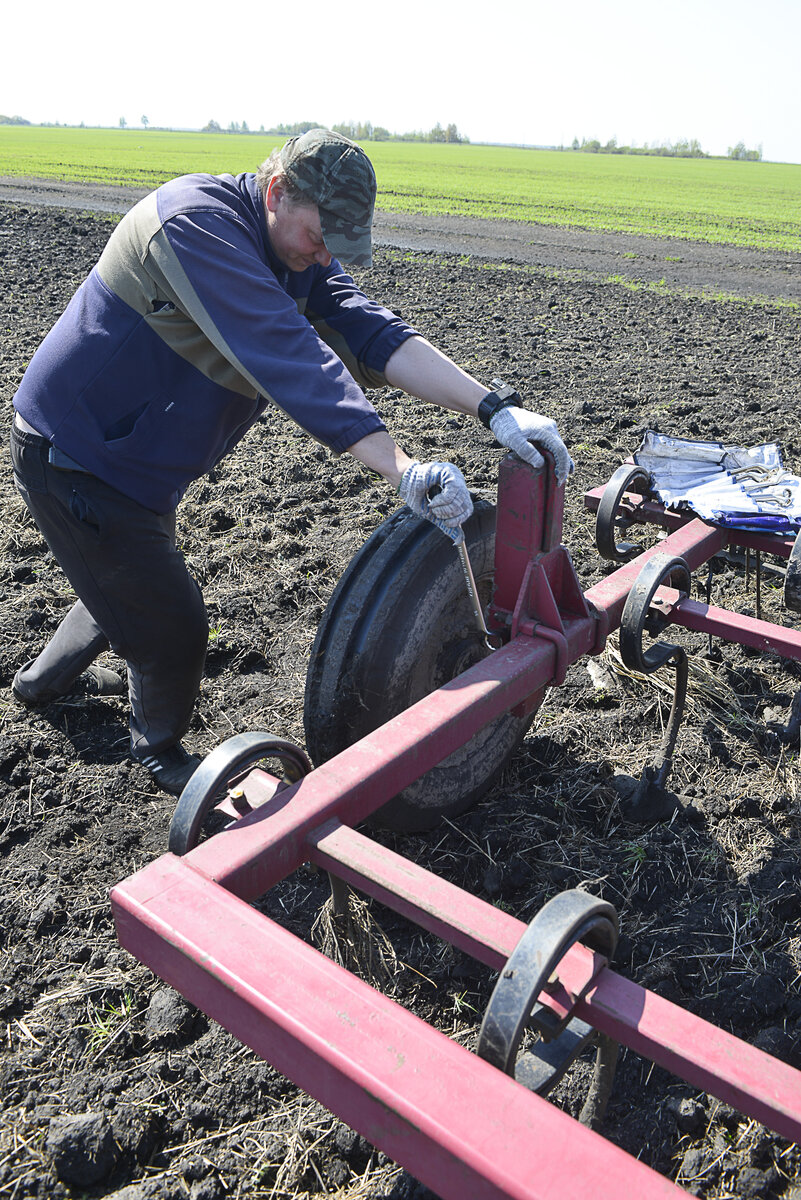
(398, 626)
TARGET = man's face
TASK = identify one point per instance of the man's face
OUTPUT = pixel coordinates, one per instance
(294, 229)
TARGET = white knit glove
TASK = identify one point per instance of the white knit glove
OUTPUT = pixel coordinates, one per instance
(516, 428)
(438, 492)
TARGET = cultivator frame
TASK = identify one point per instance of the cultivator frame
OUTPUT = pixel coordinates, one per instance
(462, 1125)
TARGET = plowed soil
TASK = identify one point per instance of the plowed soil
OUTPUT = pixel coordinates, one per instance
(97, 1053)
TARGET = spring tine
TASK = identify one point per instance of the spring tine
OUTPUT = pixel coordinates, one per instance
(709, 580)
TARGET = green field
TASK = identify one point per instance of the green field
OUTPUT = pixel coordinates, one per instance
(712, 200)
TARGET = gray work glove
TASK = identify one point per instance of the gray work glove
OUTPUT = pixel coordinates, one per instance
(438, 492)
(516, 428)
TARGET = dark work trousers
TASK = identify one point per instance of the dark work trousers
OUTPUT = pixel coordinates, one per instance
(135, 595)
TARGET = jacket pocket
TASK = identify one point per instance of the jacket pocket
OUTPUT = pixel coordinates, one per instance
(137, 428)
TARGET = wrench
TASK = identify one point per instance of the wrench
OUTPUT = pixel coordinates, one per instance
(491, 640)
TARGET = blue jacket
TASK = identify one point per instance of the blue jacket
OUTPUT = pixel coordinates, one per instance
(183, 333)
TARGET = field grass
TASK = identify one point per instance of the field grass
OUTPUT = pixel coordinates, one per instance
(711, 200)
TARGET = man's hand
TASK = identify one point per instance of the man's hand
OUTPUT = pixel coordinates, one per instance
(438, 492)
(516, 428)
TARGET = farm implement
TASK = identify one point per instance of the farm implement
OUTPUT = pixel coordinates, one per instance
(410, 713)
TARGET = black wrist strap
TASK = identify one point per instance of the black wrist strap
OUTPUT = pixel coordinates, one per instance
(503, 395)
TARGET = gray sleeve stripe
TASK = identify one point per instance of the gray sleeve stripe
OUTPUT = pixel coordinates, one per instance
(125, 268)
(165, 267)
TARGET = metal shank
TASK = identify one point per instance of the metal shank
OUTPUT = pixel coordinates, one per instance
(637, 608)
(622, 481)
(568, 918)
(219, 771)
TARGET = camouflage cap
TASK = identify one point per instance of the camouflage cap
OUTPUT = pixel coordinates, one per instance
(336, 175)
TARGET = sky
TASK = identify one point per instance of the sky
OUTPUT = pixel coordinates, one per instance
(524, 72)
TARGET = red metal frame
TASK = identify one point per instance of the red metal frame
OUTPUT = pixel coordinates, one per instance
(461, 1126)
(611, 593)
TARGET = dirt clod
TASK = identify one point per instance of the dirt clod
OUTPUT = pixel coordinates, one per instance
(167, 1015)
(82, 1148)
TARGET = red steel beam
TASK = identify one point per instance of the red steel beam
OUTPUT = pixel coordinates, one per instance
(640, 510)
(755, 1083)
(733, 627)
(486, 933)
(696, 542)
(458, 1124)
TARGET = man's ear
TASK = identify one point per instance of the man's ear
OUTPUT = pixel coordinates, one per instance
(275, 192)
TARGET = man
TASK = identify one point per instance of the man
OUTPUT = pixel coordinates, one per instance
(214, 297)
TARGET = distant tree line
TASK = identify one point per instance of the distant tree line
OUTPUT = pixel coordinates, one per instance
(739, 152)
(233, 127)
(360, 131)
(683, 148)
(365, 131)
